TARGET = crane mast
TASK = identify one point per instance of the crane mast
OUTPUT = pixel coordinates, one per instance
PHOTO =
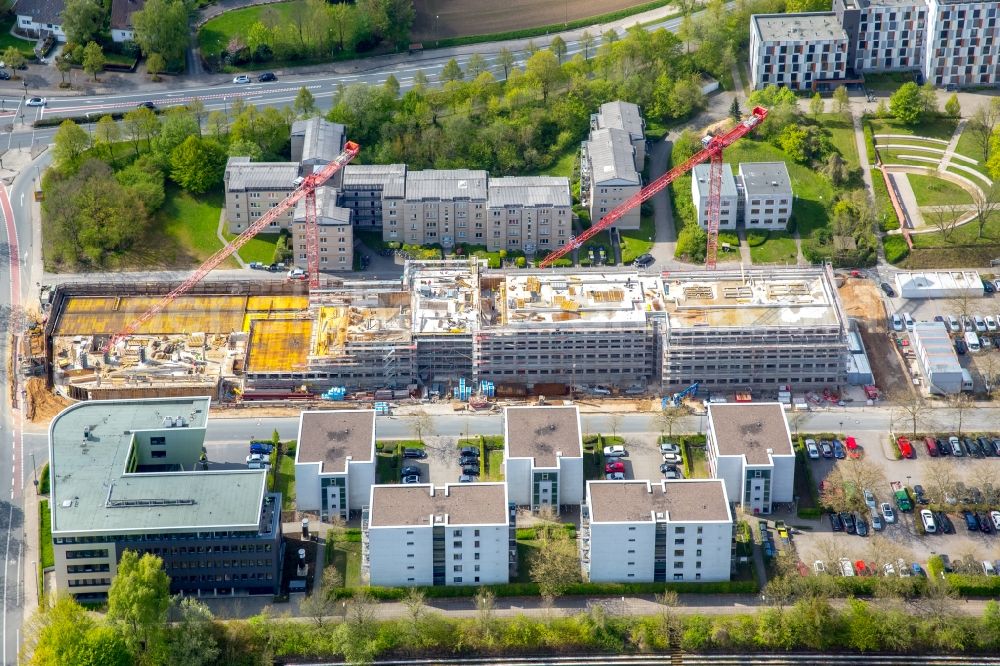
(306, 190)
(712, 151)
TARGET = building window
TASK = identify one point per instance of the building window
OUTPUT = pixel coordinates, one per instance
(158, 454)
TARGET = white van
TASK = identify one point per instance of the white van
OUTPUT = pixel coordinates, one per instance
(972, 340)
(988, 568)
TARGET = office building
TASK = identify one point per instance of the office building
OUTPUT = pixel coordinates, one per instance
(543, 456)
(335, 462)
(125, 475)
(459, 534)
(655, 532)
(750, 448)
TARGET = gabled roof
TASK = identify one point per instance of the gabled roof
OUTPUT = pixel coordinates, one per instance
(41, 11)
(612, 157)
(121, 12)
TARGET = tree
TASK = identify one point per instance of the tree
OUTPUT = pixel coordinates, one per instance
(667, 417)
(343, 23)
(544, 70)
(64, 65)
(13, 58)
(843, 490)
(531, 47)
(735, 113)
(476, 65)
(959, 403)
(983, 123)
(192, 642)
(807, 6)
(985, 201)
(138, 602)
(614, 422)
(952, 108)
(558, 46)
(451, 71)
(836, 169)
(906, 104)
(928, 99)
(70, 141)
(555, 565)
(687, 31)
(389, 19)
(107, 133)
(177, 124)
(155, 64)
(422, 423)
(197, 164)
(816, 104)
(144, 177)
(485, 612)
(65, 633)
(305, 103)
(93, 59)
(319, 605)
(83, 21)
(161, 26)
(841, 99)
(944, 218)
(909, 409)
(587, 42)
(506, 60)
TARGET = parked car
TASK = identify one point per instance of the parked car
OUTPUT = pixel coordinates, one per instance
(995, 517)
(257, 461)
(888, 512)
(942, 447)
(241, 78)
(931, 444)
(670, 447)
(870, 499)
(4, 75)
(985, 447)
(812, 450)
(264, 448)
(927, 518)
(944, 523)
(991, 324)
(826, 449)
(953, 324)
(672, 458)
(617, 466)
(961, 348)
(908, 321)
(465, 478)
(897, 322)
(414, 453)
(409, 470)
(877, 523)
(644, 261)
(413, 478)
(668, 467)
(672, 474)
(888, 569)
(985, 523)
(988, 287)
(971, 521)
(917, 570)
(468, 460)
(471, 470)
(839, 452)
(970, 445)
(860, 525)
(36, 101)
(905, 448)
(848, 521)
(267, 77)
(819, 567)
(297, 274)
(835, 523)
(980, 324)
(920, 495)
(887, 289)
(615, 476)
(956, 446)
(846, 568)
(617, 451)
(469, 451)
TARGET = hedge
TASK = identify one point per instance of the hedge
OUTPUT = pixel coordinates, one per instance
(967, 585)
(896, 248)
(43, 480)
(869, 142)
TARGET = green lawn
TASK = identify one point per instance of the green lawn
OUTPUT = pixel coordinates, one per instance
(932, 191)
(190, 222)
(779, 248)
(887, 81)
(600, 240)
(935, 128)
(565, 165)
(45, 535)
(636, 242)
(387, 468)
(285, 482)
(494, 465)
(896, 156)
(969, 146)
(119, 59)
(526, 549)
(259, 248)
(6, 39)
(842, 136)
(217, 32)
(345, 556)
(965, 235)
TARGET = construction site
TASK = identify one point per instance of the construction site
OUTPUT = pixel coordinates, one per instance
(528, 331)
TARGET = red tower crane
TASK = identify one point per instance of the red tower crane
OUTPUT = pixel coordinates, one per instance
(713, 152)
(306, 190)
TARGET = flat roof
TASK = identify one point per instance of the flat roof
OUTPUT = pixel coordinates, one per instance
(541, 433)
(327, 210)
(936, 280)
(528, 191)
(701, 173)
(446, 185)
(750, 429)
(330, 437)
(390, 178)
(92, 492)
(422, 504)
(937, 350)
(612, 156)
(812, 26)
(784, 298)
(762, 178)
(241, 174)
(623, 116)
(681, 500)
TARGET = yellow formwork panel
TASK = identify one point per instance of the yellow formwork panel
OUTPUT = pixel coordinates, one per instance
(101, 304)
(278, 345)
(271, 303)
(188, 314)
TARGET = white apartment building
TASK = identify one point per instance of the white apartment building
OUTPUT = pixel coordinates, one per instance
(335, 462)
(767, 195)
(437, 204)
(417, 535)
(799, 51)
(750, 448)
(963, 43)
(543, 456)
(335, 234)
(624, 116)
(883, 35)
(526, 213)
(729, 200)
(608, 176)
(644, 532)
(253, 188)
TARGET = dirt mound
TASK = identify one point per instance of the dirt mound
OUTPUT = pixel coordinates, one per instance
(43, 405)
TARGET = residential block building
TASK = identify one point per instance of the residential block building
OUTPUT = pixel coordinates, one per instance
(883, 35)
(364, 188)
(459, 534)
(526, 213)
(646, 532)
(335, 233)
(806, 51)
(729, 216)
(543, 456)
(624, 116)
(317, 142)
(125, 475)
(766, 193)
(438, 203)
(608, 176)
(750, 448)
(335, 462)
(963, 43)
(253, 188)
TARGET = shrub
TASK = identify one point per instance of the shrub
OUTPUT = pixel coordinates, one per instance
(896, 248)
(967, 585)
(755, 238)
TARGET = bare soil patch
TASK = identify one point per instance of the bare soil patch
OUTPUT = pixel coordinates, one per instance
(43, 405)
(863, 302)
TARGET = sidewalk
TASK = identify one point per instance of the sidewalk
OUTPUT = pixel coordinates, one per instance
(31, 559)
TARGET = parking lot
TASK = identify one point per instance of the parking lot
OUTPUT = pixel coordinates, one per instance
(944, 479)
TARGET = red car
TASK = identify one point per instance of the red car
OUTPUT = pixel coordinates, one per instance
(611, 468)
(932, 449)
(906, 448)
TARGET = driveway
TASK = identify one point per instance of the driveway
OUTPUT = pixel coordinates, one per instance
(665, 239)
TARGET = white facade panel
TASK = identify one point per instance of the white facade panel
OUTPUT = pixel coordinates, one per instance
(622, 552)
(401, 556)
